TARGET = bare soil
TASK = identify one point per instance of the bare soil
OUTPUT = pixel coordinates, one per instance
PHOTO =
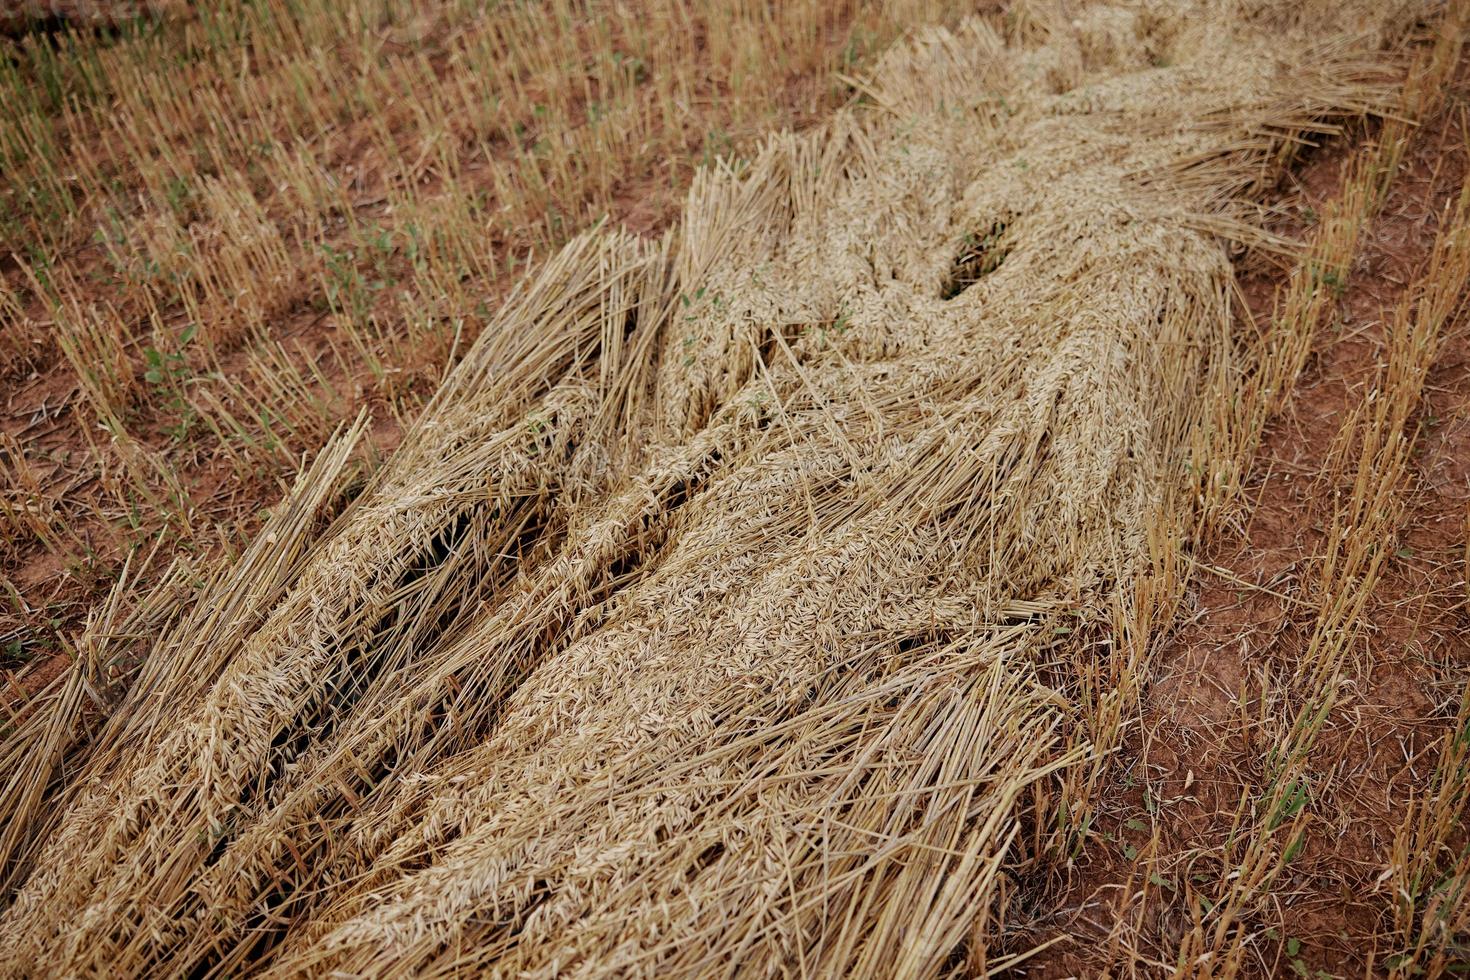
(1252, 607)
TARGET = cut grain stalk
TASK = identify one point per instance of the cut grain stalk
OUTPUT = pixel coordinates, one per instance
(1373, 453)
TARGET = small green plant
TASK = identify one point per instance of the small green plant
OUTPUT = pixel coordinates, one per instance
(717, 144)
(14, 650)
(1293, 799)
(632, 68)
(1299, 965)
(167, 371)
(164, 366)
(347, 291)
(1332, 278)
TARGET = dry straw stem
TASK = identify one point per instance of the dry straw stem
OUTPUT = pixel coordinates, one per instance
(1269, 368)
(1429, 875)
(735, 604)
(332, 194)
(57, 729)
(1373, 452)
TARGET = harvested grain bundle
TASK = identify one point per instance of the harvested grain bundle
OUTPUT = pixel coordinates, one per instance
(732, 605)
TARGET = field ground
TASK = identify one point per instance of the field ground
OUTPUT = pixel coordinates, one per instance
(186, 310)
(229, 235)
(1203, 728)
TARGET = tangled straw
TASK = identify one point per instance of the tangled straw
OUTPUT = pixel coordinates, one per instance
(728, 608)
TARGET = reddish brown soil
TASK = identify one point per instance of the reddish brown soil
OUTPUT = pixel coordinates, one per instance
(1251, 610)
(45, 596)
